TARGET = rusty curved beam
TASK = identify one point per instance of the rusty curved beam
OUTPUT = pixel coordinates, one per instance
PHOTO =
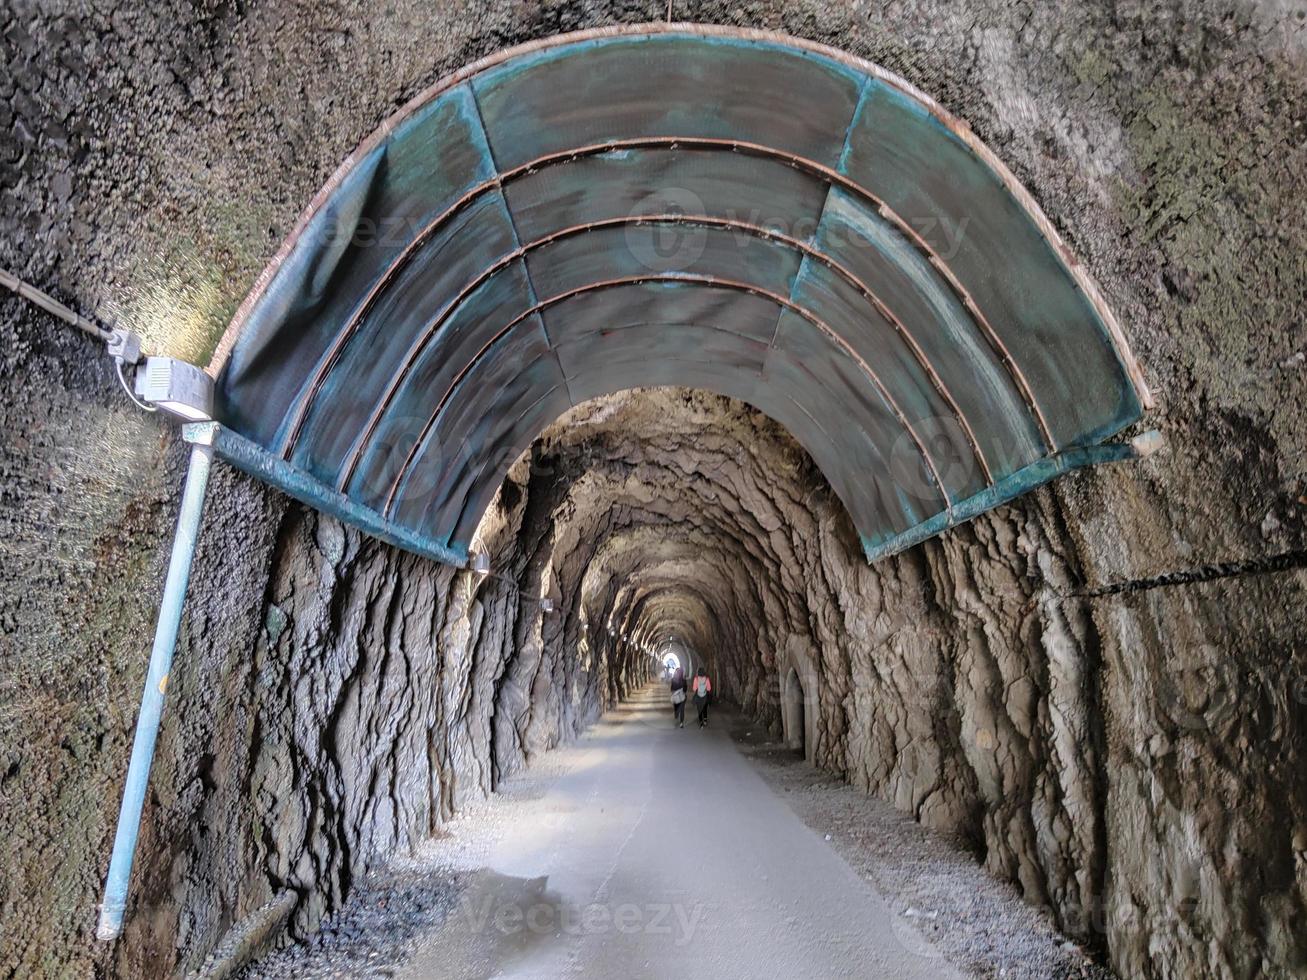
(811, 167)
(521, 446)
(518, 448)
(782, 301)
(757, 231)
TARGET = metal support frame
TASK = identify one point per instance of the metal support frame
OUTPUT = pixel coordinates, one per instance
(249, 457)
(1023, 480)
(156, 686)
(210, 438)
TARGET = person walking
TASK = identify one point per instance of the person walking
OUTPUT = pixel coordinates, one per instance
(678, 686)
(702, 688)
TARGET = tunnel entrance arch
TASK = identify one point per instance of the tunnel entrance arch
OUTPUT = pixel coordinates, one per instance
(774, 220)
(777, 224)
(744, 234)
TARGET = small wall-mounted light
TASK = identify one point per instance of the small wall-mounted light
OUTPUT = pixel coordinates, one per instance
(178, 388)
(480, 563)
(1147, 443)
(547, 604)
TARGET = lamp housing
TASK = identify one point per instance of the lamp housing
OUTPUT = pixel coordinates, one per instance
(180, 389)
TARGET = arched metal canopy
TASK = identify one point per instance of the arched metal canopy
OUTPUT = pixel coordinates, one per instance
(673, 205)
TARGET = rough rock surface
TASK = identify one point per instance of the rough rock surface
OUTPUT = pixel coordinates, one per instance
(1133, 759)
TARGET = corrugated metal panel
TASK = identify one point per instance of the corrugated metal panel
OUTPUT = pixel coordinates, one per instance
(750, 189)
(424, 294)
(360, 228)
(735, 211)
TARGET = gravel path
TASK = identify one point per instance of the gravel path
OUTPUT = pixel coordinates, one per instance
(981, 925)
(588, 865)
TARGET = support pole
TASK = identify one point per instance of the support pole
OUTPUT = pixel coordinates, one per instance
(156, 684)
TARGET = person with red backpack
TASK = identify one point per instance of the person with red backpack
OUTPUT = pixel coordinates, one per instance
(702, 688)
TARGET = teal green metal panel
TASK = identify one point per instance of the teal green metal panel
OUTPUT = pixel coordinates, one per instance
(425, 290)
(740, 212)
(904, 279)
(1005, 491)
(361, 226)
(249, 457)
(927, 174)
(666, 84)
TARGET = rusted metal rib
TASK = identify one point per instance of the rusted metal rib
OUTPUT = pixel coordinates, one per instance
(346, 333)
(783, 301)
(694, 220)
(520, 446)
(812, 167)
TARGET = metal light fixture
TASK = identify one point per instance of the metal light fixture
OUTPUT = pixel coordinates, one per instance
(178, 388)
(547, 604)
(480, 563)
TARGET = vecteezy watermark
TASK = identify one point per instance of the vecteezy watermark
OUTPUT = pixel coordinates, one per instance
(340, 229)
(1194, 695)
(680, 223)
(405, 461)
(942, 441)
(668, 231)
(1124, 915)
(1200, 690)
(488, 912)
(670, 244)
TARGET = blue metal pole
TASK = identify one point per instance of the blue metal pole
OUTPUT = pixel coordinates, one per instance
(156, 684)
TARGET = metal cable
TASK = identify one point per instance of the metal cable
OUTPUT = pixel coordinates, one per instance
(118, 366)
(1261, 565)
(51, 305)
(526, 596)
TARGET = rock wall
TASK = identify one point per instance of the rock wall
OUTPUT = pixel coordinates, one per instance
(333, 701)
(1131, 757)
(1134, 759)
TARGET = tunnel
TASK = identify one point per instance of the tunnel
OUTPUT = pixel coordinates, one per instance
(924, 379)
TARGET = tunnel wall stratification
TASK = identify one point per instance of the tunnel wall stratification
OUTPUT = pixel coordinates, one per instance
(333, 701)
(1134, 761)
(1093, 748)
